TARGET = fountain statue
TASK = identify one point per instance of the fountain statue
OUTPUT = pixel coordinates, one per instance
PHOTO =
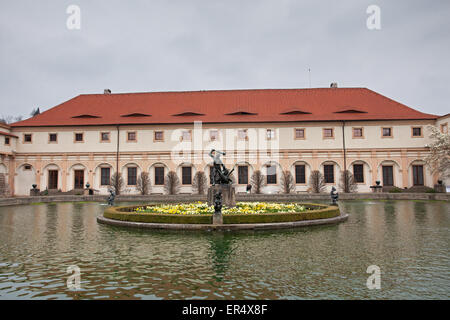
(111, 197)
(334, 196)
(222, 189)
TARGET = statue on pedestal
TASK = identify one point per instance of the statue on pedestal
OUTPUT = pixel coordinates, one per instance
(334, 196)
(222, 192)
(221, 175)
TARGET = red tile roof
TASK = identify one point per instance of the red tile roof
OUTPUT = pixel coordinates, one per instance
(2, 133)
(226, 106)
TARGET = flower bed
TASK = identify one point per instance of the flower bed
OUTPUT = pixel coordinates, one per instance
(201, 213)
(203, 208)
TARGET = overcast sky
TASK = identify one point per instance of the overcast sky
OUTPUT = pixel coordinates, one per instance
(140, 46)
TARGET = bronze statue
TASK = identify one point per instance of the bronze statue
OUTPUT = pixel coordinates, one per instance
(221, 175)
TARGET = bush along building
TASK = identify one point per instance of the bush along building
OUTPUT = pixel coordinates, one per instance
(88, 139)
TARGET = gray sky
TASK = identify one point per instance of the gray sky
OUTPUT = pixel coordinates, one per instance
(138, 46)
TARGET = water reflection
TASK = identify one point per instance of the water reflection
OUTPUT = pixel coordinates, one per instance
(407, 239)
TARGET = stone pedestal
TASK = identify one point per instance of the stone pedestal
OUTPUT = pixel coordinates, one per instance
(217, 218)
(35, 192)
(440, 188)
(228, 195)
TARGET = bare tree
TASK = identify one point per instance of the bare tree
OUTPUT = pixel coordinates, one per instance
(143, 183)
(317, 181)
(287, 182)
(172, 183)
(10, 119)
(347, 183)
(439, 157)
(117, 183)
(257, 181)
(200, 182)
(35, 112)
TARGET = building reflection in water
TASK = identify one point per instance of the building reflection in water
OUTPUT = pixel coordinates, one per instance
(220, 252)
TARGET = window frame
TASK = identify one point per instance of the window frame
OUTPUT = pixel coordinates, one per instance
(304, 133)
(246, 134)
(75, 137)
(134, 177)
(323, 133)
(211, 135)
(358, 128)
(7, 141)
(391, 131)
(442, 126)
(304, 174)
(49, 137)
(101, 176)
(183, 176)
(362, 173)
(267, 174)
(416, 127)
(239, 174)
(27, 134)
(156, 183)
(101, 137)
(325, 174)
(271, 131)
(135, 137)
(162, 135)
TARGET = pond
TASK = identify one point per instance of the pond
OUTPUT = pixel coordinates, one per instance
(407, 240)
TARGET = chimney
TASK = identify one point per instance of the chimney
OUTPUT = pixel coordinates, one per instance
(107, 91)
(333, 85)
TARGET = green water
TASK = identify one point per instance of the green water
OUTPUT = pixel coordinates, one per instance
(408, 240)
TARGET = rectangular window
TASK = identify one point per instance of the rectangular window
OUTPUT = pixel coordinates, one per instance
(417, 132)
(132, 176)
(78, 137)
(328, 172)
(53, 179)
(444, 128)
(79, 179)
(270, 134)
(386, 132)
(186, 135)
(159, 176)
(52, 137)
(358, 173)
(27, 167)
(104, 137)
(186, 175)
(388, 176)
(105, 176)
(417, 175)
(7, 142)
(300, 176)
(299, 133)
(159, 136)
(271, 175)
(242, 134)
(328, 133)
(213, 135)
(357, 132)
(131, 136)
(27, 138)
(243, 174)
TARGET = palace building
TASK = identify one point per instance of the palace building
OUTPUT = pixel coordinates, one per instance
(90, 137)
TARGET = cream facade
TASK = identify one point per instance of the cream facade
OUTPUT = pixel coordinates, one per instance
(68, 157)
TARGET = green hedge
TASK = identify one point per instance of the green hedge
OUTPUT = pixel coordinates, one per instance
(124, 214)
